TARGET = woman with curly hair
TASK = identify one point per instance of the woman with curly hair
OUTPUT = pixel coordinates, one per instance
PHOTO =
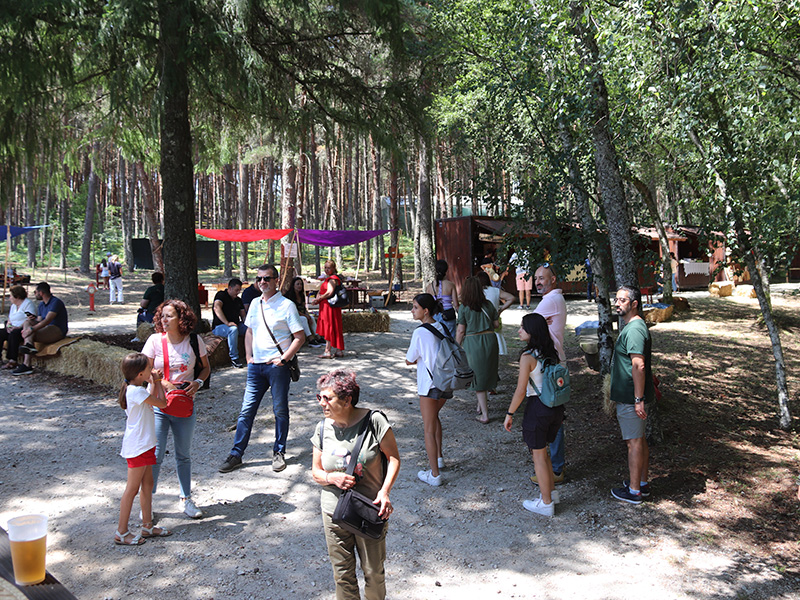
(174, 322)
(477, 321)
(334, 440)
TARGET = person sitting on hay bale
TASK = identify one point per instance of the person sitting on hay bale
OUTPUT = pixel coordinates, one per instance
(152, 299)
(49, 326)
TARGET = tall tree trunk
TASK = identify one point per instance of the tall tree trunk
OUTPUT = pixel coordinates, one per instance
(666, 261)
(315, 193)
(227, 215)
(271, 205)
(126, 212)
(64, 222)
(177, 170)
(30, 214)
(288, 205)
(612, 191)
(91, 203)
(244, 191)
(375, 206)
(598, 255)
(149, 202)
(394, 224)
(427, 258)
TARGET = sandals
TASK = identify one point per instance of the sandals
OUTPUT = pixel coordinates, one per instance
(119, 539)
(325, 355)
(338, 354)
(151, 532)
(479, 419)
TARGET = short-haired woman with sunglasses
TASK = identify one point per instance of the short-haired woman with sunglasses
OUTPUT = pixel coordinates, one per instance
(334, 439)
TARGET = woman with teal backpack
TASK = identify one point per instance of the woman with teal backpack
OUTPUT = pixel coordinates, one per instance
(540, 423)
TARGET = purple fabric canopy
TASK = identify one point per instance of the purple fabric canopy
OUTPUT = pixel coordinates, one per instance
(330, 237)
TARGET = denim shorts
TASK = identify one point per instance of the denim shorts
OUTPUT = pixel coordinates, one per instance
(540, 424)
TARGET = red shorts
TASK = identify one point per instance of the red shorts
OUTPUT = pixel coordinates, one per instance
(143, 460)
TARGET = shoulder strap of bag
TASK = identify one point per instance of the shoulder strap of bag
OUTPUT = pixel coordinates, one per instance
(362, 432)
(488, 317)
(539, 362)
(198, 366)
(433, 330)
(165, 352)
(272, 335)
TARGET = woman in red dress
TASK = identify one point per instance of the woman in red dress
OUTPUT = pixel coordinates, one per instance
(329, 324)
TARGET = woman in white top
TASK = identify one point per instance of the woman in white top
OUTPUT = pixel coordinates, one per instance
(175, 320)
(540, 423)
(422, 352)
(20, 305)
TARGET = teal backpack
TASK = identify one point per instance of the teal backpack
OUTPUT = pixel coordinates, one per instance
(555, 383)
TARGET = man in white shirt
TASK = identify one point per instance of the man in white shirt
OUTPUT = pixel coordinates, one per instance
(267, 365)
(553, 307)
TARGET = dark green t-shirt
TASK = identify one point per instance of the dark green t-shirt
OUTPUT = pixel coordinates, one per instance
(633, 339)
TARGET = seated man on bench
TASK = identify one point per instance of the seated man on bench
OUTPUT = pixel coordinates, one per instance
(50, 325)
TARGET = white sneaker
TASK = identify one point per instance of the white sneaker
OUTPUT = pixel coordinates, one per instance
(539, 507)
(427, 477)
(187, 505)
(555, 497)
(440, 463)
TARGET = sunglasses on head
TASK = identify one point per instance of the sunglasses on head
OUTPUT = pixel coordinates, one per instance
(264, 278)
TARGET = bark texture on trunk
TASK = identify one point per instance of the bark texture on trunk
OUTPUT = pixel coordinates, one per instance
(177, 170)
(612, 192)
(663, 241)
(427, 258)
(91, 204)
(151, 217)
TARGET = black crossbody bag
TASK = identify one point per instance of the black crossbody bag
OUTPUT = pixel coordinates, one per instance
(355, 512)
(294, 366)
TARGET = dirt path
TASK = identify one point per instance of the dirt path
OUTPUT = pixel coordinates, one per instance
(262, 536)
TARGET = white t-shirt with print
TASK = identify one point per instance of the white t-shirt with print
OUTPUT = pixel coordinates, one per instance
(283, 319)
(140, 428)
(181, 356)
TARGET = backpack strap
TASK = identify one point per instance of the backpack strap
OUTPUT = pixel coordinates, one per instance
(539, 362)
(434, 331)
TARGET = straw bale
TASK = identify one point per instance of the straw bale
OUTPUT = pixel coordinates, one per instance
(721, 289)
(745, 291)
(91, 360)
(657, 315)
(144, 331)
(363, 321)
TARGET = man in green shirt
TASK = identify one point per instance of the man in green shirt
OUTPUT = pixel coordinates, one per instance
(631, 389)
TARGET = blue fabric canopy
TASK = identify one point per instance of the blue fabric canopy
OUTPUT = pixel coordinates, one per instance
(15, 231)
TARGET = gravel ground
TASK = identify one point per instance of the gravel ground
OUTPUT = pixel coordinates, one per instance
(262, 534)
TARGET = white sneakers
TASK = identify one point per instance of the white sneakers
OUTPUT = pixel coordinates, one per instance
(427, 477)
(539, 507)
(189, 508)
(440, 462)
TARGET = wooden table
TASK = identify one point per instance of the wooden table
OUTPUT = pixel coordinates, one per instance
(49, 589)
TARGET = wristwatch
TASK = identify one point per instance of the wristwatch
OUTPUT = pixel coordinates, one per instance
(638, 400)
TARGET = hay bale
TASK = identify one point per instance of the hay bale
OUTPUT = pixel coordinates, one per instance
(88, 359)
(658, 315)
(680, 304)
(144, 331)
(217, 348)
(744, 291)
(720, 289)
(364, 321)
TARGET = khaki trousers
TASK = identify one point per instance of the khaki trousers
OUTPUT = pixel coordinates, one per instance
(342, 548)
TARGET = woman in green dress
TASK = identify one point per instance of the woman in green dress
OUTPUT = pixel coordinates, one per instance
(477, 320)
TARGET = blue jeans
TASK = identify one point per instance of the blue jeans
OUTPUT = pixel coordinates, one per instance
(182, 434)
(450, 325)
(260, 377)
(232, 333)
(557, 451)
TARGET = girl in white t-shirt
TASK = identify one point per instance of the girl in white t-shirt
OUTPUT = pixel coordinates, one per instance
(139, 445)
(422, 352)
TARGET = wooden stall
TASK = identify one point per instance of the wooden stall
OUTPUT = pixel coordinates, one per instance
(698, 263)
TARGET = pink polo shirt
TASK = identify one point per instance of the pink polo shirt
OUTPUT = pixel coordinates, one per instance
(554, 305)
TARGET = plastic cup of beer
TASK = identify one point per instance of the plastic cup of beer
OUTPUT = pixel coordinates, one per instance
(27, 536)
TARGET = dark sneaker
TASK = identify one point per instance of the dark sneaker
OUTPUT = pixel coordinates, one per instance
(237, 363)
(22, 370)
(624, 494)
(230, 463)
(278, 462)
(27, 349)
(557, 478)
(644, 489)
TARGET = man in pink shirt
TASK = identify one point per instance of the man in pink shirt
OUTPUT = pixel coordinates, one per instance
(553, 308)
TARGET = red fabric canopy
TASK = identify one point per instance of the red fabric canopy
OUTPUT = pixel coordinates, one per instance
(243, 235)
